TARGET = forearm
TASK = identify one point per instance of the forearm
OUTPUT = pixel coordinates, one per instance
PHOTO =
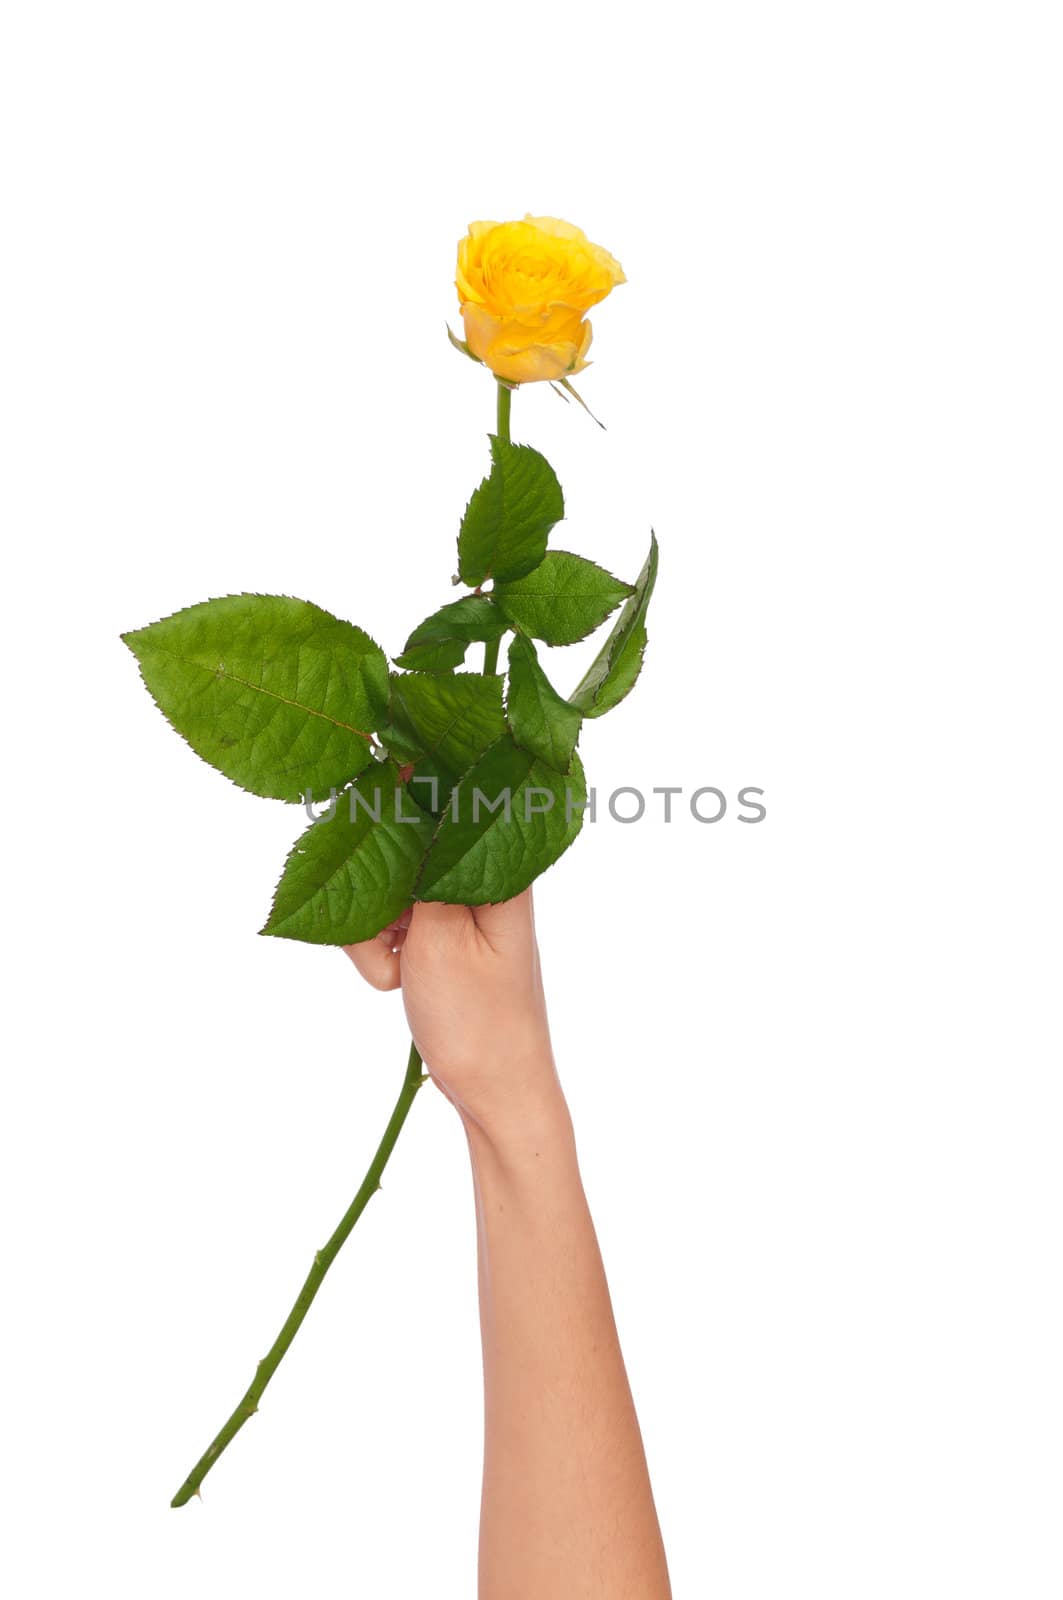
(567, 1507)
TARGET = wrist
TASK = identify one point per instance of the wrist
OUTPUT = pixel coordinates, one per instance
(523, 1130)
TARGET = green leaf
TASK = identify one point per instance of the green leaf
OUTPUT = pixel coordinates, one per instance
(349, 876)
(508, 520)
(480, 855)
(276, 693)
(623, 672)
(439, 643)
(615, 668)
(542, 721)
(449, 718)
(431, 783)
(563, 600)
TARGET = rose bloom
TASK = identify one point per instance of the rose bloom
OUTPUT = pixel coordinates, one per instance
(525, 288)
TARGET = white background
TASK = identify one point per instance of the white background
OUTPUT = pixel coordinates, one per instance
(812, 1063)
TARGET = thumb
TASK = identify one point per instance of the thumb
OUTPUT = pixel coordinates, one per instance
(507, 923)
(439, 924)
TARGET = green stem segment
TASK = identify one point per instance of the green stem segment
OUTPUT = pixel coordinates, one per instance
(316, 1276)
(505, 402)
(369, 1186)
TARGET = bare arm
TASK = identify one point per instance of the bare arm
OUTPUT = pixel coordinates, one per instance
(567, 1506)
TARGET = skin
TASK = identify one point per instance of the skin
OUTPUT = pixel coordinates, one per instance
(567, 1509)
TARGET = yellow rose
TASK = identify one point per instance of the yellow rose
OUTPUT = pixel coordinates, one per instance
(525, 288)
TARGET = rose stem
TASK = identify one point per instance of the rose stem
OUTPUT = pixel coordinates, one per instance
(505, 401)
(316, 1276)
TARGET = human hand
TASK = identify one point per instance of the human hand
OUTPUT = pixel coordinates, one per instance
(473, 992)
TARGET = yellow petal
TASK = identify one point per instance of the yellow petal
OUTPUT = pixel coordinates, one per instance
(581, 361)
(557, 229)
(481, 329)
(533, 364)
(466, 290)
